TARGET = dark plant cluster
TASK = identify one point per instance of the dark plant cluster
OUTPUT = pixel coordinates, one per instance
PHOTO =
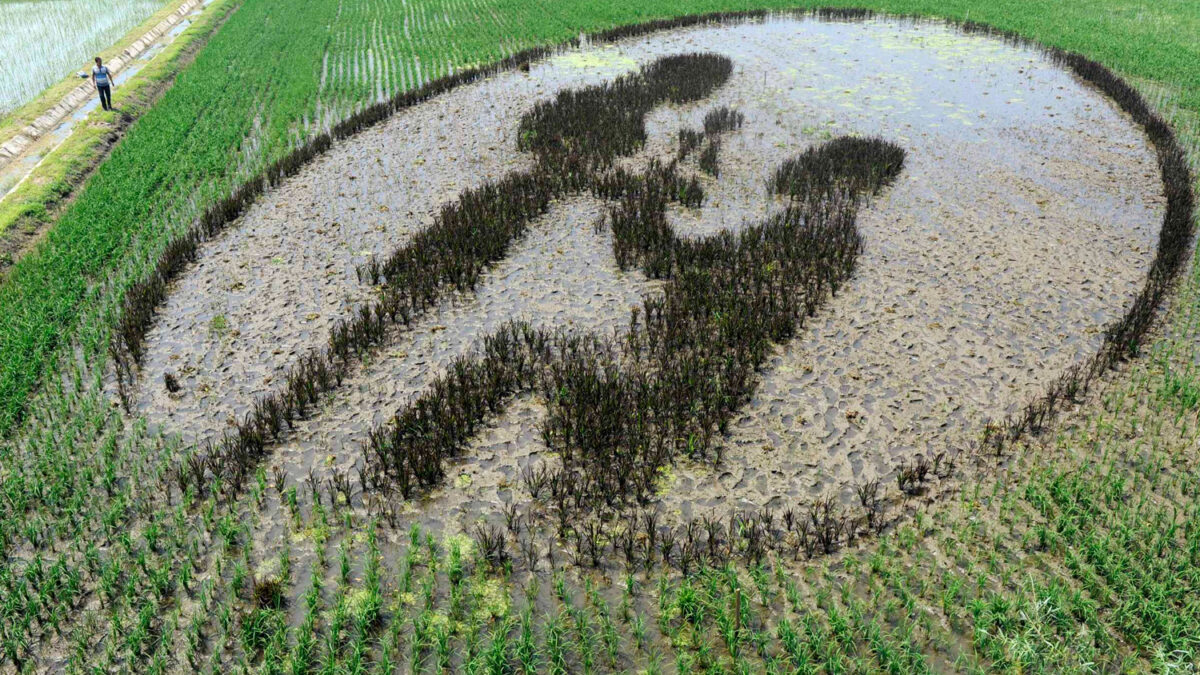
(716, 122)
(410, 453)
(468, 236)
(690, 357)
(845, 163)
(640, 538)
(723, 119)
(619, 413)
(689, 141)
(709, 158)
(911, 476)
(599, 123)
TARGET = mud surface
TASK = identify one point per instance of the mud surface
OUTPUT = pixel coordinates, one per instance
(1022, 223)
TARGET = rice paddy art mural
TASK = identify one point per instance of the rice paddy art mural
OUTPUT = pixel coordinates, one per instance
(747, 342)
(683, 274)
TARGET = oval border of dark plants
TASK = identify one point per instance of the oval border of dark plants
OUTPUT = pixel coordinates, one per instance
(1123, 338)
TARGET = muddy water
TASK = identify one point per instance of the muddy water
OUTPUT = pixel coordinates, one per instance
(1023, 221)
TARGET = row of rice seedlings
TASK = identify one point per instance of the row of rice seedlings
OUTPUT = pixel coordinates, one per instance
(49, 476)
(138, 583)
(141, 637)
(819, 528)
(847, 631)
(761, 621)
(1148, 552)
(239, 614)
(716, 18)
(637, 538)
(88, 545)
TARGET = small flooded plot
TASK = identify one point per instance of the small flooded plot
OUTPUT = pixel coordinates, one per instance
(1023, 221)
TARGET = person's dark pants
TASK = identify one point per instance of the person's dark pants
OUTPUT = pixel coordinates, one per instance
(105, 96)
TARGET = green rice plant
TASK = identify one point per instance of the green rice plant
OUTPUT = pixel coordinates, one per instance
(440, 639)
(259, 627)
(499, 652)
(526, 648)
(554, 644)
(638, 625)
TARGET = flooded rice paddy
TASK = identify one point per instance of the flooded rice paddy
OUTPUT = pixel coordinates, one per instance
(1023, 222)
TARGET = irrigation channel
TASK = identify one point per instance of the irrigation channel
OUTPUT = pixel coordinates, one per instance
(1022, 223)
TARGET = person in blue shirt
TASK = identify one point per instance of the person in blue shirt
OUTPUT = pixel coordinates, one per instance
(102, 78)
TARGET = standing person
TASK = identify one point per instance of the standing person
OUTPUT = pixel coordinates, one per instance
(102, 78)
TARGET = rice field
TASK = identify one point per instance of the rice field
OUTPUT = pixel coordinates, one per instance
(43, 41)
(431, 346)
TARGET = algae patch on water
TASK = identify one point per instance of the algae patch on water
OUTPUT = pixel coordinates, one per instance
(607, 61)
